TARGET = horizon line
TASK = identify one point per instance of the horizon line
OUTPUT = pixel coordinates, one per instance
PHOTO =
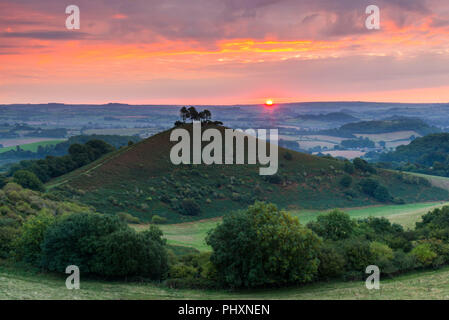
(216, 105)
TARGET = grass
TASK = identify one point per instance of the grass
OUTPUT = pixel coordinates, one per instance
(20, 284)
(192, 234)
(436, 181)
(32, 146)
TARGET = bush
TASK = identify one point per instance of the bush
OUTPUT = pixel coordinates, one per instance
(274, 179)
(346, 181)
(128, 218)
(190, 207)
(382, 194)
(28, 180)
(8, 235)
(263, 246)
(105, 246)
(3, 181)
(128, 253)
(349, 167)
(372, 188)
(335, 225)
(424, 254)
(28, 245)
(288, 156)
(363, 166)
(357, 254)
(332, 263)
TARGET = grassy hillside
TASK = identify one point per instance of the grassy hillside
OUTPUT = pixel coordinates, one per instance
(141, 180)
(18, 284)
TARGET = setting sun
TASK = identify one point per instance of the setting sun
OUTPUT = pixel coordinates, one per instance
(269, 102)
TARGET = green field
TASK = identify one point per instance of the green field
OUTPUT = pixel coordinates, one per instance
(32, 146)
(192, 234)
(19, 284)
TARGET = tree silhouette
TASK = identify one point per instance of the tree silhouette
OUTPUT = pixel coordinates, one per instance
(194, 115)
(184, 114)
(207, 115)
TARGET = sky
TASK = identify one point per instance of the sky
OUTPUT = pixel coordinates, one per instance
(223, 51)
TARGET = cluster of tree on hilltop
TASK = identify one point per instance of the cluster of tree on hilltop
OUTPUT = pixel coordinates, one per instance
(191, 113)
(428, 154)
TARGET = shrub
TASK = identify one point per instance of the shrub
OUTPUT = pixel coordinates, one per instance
(369, 186)
(190, 207)
(424, 254)
(158, 219)
(3, 181)
(346, 181)
(288, 156)
(105, 246)
(403, 262)
(363, 166)
(332, 263)
(357, 253)
(127, 253)
(8, 236)
(274, 179)
(263, 246)
(382, 194)
(349, 167)
(28, 245)
(335, 225)
(126, 217)
(372, 188)
(28, 180)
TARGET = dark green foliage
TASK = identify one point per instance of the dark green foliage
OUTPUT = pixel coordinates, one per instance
(428, 154)
(28, 245)
(8, 235)
(3, 180)
(358, 143)
(349, 167)
(363, 166)
(126, 253)
(346, 181)
(51, 167)
(263, 246)
(357, 255)
(126, 217)
(193, 270)
(372, 188)
(435, 224)
(28, 180)
(332, 262)
(104, 246)
(190, 207)
(335, 225)
(158, 219)
(274, 179)
(288, 156)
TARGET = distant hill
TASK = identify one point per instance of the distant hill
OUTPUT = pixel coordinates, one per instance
(394, 124)
(141, 180)
(428, 154)
(330, 117)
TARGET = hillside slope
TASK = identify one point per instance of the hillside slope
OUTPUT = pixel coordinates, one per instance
(141, 180)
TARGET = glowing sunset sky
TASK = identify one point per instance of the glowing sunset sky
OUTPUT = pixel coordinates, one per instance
(223, 51)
